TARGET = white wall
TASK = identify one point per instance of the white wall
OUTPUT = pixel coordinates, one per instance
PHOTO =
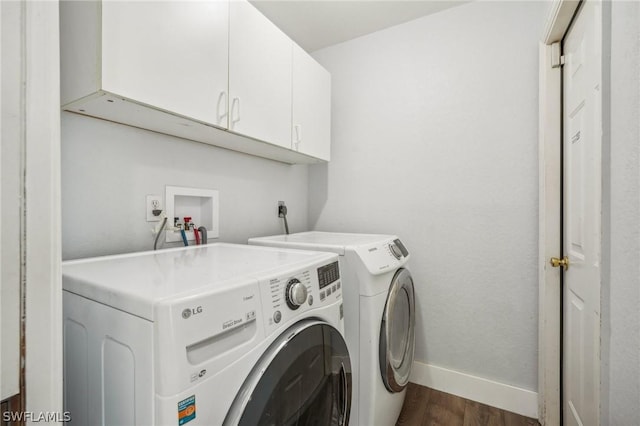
(621, 251)
(108, 169)
(435, 139)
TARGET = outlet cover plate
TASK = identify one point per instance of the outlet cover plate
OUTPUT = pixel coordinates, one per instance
(154, 202)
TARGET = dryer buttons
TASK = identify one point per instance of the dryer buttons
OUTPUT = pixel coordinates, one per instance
(395, 250)
(277, 317)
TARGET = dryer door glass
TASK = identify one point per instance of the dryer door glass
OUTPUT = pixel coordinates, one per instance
(397, 332)
(304, 378)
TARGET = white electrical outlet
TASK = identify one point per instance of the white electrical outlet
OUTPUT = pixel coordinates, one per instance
(154, 208)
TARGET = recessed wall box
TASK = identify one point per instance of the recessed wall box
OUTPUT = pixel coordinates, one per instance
(202, 205)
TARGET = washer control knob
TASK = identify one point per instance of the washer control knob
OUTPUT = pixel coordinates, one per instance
(296, 293)
(395, 251)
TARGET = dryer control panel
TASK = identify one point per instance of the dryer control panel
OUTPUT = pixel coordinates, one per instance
(287, 296)
(383, 256)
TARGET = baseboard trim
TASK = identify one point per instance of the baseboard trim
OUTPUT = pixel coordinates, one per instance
(495, 394)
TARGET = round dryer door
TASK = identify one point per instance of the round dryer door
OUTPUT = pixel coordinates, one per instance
(397, 332)
(304, 378)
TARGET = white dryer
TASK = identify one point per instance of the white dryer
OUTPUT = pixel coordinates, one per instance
(379, 316)
(219, 334)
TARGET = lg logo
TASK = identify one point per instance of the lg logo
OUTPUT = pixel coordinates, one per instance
(187, 313)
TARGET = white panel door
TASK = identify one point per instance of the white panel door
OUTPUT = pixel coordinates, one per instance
(259, 76)
(169, 54)
(582, 136)
(311, 132)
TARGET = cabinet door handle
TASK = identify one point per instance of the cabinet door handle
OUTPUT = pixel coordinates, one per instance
(235, 106)
(298, 129)
(223, 95)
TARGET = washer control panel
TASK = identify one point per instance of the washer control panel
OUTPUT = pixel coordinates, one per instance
(295, 294)
(285, 297)
(329, 280)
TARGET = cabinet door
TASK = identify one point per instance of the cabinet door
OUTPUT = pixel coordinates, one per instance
(168, 54)
(259, 76)
(311, 131)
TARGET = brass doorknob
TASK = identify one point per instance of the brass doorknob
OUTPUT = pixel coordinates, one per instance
(564, 262)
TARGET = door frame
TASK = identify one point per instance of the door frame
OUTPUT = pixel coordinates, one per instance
(557, 24)
(38, 127)
(43, 278)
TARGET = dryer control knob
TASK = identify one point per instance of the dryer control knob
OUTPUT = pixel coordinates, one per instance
(395, 251)
(296, 293)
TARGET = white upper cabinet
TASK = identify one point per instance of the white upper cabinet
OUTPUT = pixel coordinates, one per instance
(170, 55)
(259, 76)
(212, 71)
(311, 130)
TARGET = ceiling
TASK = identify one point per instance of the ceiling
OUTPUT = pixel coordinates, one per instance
(315, 24)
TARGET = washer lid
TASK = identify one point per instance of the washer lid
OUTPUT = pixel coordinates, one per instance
(136, 282)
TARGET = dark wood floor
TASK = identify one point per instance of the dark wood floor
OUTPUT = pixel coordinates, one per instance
(428, 407)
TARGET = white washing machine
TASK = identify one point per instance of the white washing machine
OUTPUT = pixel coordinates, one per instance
(219, 334)
(379, 316)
